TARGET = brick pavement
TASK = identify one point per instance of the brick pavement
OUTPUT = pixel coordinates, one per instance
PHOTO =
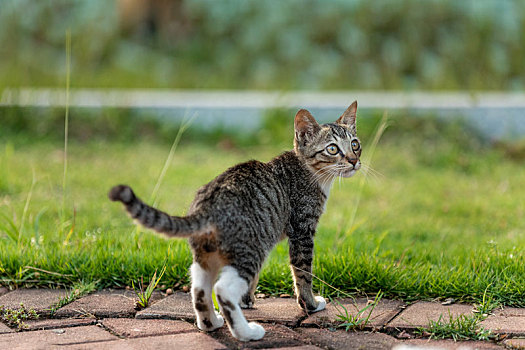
(107, 320)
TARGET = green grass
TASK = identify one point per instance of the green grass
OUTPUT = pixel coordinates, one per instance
(463, 327)
(444, 218)
(78, 290)
(144, 294)
(16, 317)
(350, 321)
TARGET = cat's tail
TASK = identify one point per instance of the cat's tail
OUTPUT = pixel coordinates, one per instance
(153, 218)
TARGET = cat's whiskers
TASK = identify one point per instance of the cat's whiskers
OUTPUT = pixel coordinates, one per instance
(373, 171)
(325, 181)
(324, 177)
(340, 169)
(321, 174)
(369, 172)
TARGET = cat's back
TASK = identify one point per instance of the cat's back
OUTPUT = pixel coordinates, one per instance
(252, 184)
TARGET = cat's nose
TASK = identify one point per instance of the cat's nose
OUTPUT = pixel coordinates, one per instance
(353, 161)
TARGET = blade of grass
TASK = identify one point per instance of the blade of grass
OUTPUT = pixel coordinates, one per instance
(26, 208)
(78, 290)
(153, 198)
(72, 229)
(144, 296)
(185, 125)
(36, 225)
(350, 321)
(326, 283)
(66, 120)
(48, 272)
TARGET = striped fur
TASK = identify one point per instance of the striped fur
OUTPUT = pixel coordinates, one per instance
(237, 218)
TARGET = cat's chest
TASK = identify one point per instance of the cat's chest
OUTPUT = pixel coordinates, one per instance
(325, 188)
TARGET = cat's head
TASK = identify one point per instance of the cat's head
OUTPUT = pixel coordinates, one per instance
(331, 148)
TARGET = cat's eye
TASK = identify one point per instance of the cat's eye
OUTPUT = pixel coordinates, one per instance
(332, 149)
(355, 145)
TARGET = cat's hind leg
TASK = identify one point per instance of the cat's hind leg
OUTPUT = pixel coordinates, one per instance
(201, 288)
(229, 289)
(248, 299)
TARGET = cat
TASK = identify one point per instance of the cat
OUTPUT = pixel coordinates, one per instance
(236, 219)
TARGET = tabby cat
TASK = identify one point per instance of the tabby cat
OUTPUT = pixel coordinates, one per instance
(237, 218)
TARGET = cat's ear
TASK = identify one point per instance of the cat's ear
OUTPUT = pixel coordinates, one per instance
(348, 117)
(305, 125)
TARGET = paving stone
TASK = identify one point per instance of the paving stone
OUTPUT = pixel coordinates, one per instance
(421, 313)
(515, 343)
(105, 303)
(509, 312)
(300, 347)
(514, 325)
(175, 306)
(5, 329)
(448, 344)
(59, 323)
(133, 328)
(382, 313)
(508, 320)
(178, 306)
(55, 338)
(183, 341)
(280, 310)
(342, 340)
(277, 336)
(41, 300)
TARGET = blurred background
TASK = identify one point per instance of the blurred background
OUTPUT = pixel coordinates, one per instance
(294, 44)
(147, 52)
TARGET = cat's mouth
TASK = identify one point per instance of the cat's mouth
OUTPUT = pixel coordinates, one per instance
(348, 173)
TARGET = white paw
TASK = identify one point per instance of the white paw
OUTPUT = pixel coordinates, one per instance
(254, 331)
(257, 330)
(220, 320)
(322, 303)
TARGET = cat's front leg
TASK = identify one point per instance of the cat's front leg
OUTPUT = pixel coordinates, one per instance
(301, 256)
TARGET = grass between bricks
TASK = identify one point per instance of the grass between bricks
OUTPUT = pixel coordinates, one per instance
(438, 189)
(77, 291)
(462, 327)
(16, 317)
(361, 319)
(144, 295)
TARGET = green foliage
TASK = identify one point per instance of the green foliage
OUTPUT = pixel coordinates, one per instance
(462, 327)
(360, 320)
(16, 317)
(78, 290)
(386, 44)
(112, 124)
(487, 304)
(144, 296)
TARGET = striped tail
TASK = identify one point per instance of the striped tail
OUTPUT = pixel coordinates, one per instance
(153, 218)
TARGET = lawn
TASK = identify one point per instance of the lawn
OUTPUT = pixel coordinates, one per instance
(441, 216)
